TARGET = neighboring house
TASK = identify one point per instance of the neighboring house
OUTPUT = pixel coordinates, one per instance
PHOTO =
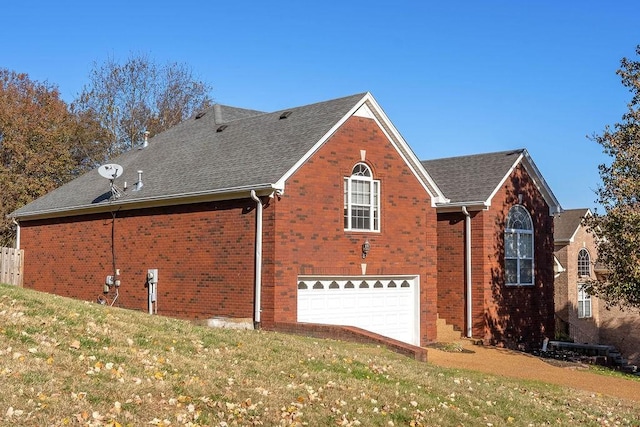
(320, 213)
(495, 247)
(316, 214)
(581, 317)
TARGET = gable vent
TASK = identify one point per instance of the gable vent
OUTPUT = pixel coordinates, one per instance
(285, 115)
(221, 128)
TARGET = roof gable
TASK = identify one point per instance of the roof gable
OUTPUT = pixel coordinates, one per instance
(369, 108)
(567, 224)
(474, 180)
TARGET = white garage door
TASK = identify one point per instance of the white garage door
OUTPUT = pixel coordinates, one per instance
(385, 305)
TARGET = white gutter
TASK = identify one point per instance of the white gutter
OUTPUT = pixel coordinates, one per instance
(258, 284)
(467, 255)
(154, 201)
(17, 233)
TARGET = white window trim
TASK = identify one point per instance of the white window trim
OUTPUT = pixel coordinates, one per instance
(518, 232)
(374, 196)
(583, 299)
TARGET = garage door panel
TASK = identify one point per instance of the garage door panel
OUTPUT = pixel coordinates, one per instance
(384, 305)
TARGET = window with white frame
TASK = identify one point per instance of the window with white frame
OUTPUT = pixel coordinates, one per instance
(584, 302)
(518, 247)
(584, 263)
(361, 200)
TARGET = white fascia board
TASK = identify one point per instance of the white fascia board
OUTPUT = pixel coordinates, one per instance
(376, 113)
(558, 267)
(573, 236)
(541, 184)
(471, 206)
(407, 154)
(150, 202)
(503, 180)
(536, 177)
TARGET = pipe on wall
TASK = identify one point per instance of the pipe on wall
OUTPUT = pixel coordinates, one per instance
(17, 233)
(467, 268)
(258, 282)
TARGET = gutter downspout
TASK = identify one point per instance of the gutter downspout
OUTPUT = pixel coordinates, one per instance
(467, 255)
(258, 283)
(17, 233)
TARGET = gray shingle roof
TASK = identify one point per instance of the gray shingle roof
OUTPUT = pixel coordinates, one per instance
(566, 224)
(255, 149)
(471, 178)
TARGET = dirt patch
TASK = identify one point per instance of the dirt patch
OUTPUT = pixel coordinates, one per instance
(514, 364)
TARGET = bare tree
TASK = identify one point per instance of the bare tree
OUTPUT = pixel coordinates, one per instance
(139, 95)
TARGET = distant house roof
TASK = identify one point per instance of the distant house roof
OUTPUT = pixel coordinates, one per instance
(567, 224)
(223, 152)
(473, 180)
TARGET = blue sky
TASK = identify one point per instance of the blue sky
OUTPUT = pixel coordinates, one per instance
(455, 77)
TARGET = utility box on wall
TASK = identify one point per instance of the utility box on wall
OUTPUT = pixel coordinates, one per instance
(152, 288)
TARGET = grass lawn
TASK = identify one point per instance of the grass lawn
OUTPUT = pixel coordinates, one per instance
(66, 362)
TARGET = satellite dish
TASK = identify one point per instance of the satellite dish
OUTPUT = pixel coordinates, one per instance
(110, 171)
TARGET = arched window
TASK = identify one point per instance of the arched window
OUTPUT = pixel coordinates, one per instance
(361, 200)
(518, 247)
(584, 263)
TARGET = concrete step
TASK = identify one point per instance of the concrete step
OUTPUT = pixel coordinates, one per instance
(446, 332)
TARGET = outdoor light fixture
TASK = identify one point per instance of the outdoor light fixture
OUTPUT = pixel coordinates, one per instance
(366, 247)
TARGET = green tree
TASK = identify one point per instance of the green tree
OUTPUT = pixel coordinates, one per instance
(42, 144)
(618, 228)
(139, 95)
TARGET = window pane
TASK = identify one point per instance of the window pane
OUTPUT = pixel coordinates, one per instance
(511, 270)
(361, 193)
(346, 203)
(360, 218)
(361, 170)
(584, 302)
(526, 271)
(345, 192)
(584, 263)
(361, 200)
(526, 245)
(376, 205)
(510, 249)
(519, 219)
(580, 308)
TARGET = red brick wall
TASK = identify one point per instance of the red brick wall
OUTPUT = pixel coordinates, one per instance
(452, 298)
(309, 236)
(204, 254)
(519, 315)
(451, 269)
(503, 315)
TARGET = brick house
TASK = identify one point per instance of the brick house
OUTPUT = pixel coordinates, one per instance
(495, 247)
(320, 213)
(580, 317)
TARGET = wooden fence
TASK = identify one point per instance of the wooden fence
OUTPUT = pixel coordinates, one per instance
(11, 266)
